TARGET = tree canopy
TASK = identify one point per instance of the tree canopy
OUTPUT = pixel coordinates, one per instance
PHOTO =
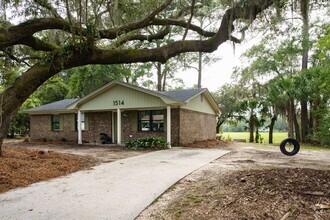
(289, 71)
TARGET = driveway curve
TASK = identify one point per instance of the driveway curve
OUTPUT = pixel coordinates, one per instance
(117, 190)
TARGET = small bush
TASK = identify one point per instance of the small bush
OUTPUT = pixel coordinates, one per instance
(229, 138)
(147, 143)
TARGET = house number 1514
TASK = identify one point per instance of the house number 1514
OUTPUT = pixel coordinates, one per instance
(118, 102)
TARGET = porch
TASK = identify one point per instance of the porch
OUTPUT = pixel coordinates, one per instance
(122, 125)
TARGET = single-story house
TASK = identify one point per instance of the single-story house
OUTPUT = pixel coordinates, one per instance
(126, 112)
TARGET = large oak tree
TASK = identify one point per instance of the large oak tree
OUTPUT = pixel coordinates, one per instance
(46, 37)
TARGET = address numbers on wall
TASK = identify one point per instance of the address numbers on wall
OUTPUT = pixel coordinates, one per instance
(118, 102)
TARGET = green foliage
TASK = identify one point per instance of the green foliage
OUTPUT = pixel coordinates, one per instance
(8, 75)
(86, 79)
(230, 101)
(234, 127)
(54, 89)
(323, 44)
(147, 143)
(322, 136)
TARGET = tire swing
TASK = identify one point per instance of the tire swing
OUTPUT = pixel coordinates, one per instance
(286, 146)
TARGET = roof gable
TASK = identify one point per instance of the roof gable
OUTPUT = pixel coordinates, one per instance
(136, 97)
(166, 99)
(122, 97)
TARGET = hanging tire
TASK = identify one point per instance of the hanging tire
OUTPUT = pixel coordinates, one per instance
(284, 148)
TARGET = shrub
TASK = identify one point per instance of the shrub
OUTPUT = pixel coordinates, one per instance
(147, 143)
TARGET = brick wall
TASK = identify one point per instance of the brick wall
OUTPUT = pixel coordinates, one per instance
(98, 122)
(131, 133)
(196, 126)
(40, 128)
(175, 126)
(186, 127)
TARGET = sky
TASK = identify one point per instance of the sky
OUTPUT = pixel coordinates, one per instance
(218, 73)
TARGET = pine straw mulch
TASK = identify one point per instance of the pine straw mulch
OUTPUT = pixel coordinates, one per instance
(20, 167)
(257, 194)
(208, 144)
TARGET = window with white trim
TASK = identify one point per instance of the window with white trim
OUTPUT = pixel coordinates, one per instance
(55, 122)
(151, 120)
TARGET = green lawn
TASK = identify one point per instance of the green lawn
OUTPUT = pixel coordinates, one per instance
(278, 137)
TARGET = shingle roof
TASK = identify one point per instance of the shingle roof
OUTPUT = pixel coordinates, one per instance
(182, 95)
(59, 105)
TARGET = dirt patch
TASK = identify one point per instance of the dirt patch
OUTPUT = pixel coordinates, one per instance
(209, 144)
(20, 167)
(104, 153)
(251, 183)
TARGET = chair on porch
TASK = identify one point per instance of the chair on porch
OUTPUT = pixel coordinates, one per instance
(105, 139)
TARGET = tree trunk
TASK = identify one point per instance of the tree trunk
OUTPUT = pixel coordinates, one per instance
(200, 57)
(9, 109)
(311, 117)
(217, 129)
(257, 135)
(304, 10)
(304, 121)
(271, 128)
(290, 119)
(15, 95)
(159, 76)
(1, 147)
(164, 80)
(316, 118)
(295, 121)
(220, 122)
(251, 127)
(115, 15)
(296, 127)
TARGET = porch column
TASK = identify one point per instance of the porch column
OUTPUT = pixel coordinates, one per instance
(168, 125)
(118, 127)
(113, 126)
(79, 127)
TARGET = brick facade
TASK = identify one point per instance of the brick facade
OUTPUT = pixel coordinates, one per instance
(196, 126)
(187, 126)
(40, 128)
(130, 131)
(98, 122)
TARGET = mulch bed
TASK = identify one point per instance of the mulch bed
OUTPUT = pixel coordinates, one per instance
(20, 167)
(258, 194)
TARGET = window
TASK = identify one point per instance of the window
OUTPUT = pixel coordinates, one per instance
(152, 120)
(55, 122)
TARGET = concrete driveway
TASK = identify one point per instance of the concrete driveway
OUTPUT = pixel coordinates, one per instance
(117, 190)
